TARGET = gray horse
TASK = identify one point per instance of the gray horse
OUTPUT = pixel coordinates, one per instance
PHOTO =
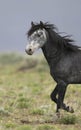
(64, 58)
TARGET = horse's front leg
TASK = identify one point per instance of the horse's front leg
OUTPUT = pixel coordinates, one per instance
(54, 94)
(61, 93)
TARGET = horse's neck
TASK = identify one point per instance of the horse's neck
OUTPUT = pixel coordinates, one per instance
(51, 53)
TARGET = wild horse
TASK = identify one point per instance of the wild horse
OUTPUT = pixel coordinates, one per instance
(64, 58)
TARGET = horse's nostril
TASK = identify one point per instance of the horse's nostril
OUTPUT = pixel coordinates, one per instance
(30, 50)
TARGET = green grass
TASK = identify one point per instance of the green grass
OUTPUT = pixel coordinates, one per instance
(25, 104)
(68, 119)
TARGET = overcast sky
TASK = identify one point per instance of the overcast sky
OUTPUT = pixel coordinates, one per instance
(16, 16)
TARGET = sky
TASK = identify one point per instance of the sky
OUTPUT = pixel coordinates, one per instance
(16, 17)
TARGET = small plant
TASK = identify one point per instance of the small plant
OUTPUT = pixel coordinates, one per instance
(38, 112)
(10, 125)
(23, 102)
(4, 112)
(45, 127)
(24, 127)
(68, 119)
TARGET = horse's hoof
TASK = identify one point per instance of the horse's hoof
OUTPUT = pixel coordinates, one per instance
(70, 109)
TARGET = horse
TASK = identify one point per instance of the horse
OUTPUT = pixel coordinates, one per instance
(63, 58)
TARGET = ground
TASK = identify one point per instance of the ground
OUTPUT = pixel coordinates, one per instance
(25, 104)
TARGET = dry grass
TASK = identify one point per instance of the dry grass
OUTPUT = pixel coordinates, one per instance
(25, 98)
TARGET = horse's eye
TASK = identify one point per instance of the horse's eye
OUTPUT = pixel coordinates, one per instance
(38, 35)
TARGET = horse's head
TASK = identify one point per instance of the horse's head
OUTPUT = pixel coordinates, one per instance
(36, 37)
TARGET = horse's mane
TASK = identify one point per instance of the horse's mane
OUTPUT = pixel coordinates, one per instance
(64, 42)
(36, 26)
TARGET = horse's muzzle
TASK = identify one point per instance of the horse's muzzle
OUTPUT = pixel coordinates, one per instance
(29, 51)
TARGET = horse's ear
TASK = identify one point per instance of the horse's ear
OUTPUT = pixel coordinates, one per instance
(41, 23)
(32, 24)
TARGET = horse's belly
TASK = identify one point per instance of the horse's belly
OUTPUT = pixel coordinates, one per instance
(75, 79)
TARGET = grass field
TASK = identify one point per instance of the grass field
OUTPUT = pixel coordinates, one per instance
(25, 104)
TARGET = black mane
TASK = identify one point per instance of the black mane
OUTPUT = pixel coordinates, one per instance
(41, 25)
(64, 42)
